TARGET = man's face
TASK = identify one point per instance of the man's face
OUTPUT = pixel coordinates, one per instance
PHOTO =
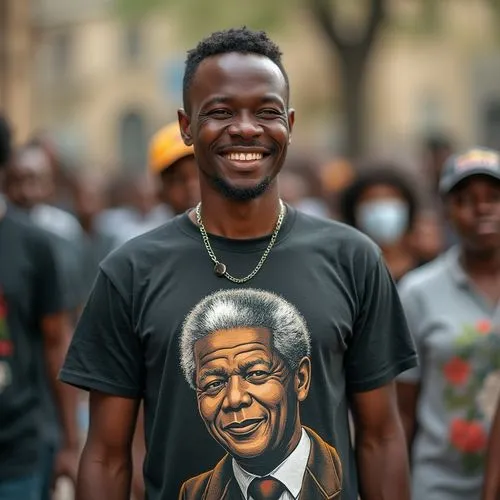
(29, 179)
(474, 210)
(247, 396)
(238, 122)
(180, 185)
(89, 199)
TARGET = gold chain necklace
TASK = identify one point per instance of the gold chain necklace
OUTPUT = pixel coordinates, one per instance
(220, 268)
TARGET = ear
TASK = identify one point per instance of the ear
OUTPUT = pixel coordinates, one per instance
(185, 127)
(303, 379)
(291, 121)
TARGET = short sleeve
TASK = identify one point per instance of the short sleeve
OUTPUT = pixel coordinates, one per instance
(105, 353)
(381, 346)
(48, 289)
(412, 305)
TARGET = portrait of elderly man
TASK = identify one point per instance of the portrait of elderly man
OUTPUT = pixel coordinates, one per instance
(246, 353)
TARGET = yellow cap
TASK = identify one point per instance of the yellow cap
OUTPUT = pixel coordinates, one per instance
(166, 147)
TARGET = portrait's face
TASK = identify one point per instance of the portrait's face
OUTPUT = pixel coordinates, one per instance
(238, 122)
(247, 396)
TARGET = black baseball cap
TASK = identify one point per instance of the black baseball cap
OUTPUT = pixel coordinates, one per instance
(476, 161)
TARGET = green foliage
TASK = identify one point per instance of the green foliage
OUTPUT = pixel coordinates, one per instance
(132, 9)
(205, 16)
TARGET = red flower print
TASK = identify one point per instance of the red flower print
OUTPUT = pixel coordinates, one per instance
(483, 326)
(468, 437)
(6, 348)
(456, 371)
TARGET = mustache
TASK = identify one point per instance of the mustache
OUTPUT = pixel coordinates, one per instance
(250, 144)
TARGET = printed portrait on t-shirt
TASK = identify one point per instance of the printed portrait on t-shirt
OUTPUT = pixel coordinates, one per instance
(247, 355)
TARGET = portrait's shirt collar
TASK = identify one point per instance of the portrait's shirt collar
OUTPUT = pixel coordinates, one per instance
(290, 472)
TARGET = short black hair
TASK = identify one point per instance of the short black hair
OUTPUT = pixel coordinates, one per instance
(350, 196)
(5, 141)
(241, 40)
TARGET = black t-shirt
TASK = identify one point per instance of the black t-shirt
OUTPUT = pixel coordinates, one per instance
(127, 341)
(29, 290)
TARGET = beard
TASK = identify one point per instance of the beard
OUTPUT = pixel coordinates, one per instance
(240, 194)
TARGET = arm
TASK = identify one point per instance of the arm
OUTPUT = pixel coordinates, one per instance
(106, 465)
(55, 328)
(380, 349)
(380, 445)
(105, 357)
(56, 336)
(491, 490)
(407, 402)
(139, 453)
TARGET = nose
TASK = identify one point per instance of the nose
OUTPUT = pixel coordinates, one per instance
(237, 396)
(245, 126)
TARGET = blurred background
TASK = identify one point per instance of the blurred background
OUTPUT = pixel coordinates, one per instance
(369, 77)
(384, 91)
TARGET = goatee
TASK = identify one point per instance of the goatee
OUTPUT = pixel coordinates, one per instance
(240, 194)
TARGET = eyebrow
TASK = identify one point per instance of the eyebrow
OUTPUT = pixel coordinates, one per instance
(220, 99)
(244, 367)
(213, 372)
(269, 98)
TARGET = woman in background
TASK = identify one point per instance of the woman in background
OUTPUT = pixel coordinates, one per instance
(381, 204)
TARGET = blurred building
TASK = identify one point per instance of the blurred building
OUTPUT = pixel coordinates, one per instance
(16, 44)
(101, 86)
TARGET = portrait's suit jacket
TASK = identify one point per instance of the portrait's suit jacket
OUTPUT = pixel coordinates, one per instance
(322, 479)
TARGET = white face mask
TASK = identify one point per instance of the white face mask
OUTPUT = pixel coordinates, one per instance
(385, 221)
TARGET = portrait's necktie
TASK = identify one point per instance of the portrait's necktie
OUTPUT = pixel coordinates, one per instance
(266, 488)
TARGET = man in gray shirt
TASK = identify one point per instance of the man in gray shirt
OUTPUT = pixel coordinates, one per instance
(448, 402)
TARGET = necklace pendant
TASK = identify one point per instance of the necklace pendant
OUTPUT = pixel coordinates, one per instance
(220, 269)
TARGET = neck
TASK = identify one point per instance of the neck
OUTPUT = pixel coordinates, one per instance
(240, 220)
(485, 264)
(394, 251)
(87, 224)
(273, 458)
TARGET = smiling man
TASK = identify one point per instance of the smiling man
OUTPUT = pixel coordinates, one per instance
(237, 117)
(247, 354)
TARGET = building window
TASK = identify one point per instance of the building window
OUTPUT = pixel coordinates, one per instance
(133, 141)
(62, 53)
(491, 124)
(132, 43)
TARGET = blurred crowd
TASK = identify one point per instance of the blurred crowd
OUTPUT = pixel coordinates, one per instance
(87, 214)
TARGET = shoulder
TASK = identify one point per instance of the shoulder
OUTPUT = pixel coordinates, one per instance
(350, 246)
(325, 460)
(144, 251)
(195, 487)
(58, 221)
(26, 237)
(426, 277)
(20, 224)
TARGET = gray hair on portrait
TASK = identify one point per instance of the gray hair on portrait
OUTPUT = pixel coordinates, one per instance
(245, 308)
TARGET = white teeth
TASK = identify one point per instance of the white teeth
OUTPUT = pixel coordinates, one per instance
(244, 156)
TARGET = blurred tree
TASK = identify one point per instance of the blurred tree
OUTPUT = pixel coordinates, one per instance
(353, 54)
